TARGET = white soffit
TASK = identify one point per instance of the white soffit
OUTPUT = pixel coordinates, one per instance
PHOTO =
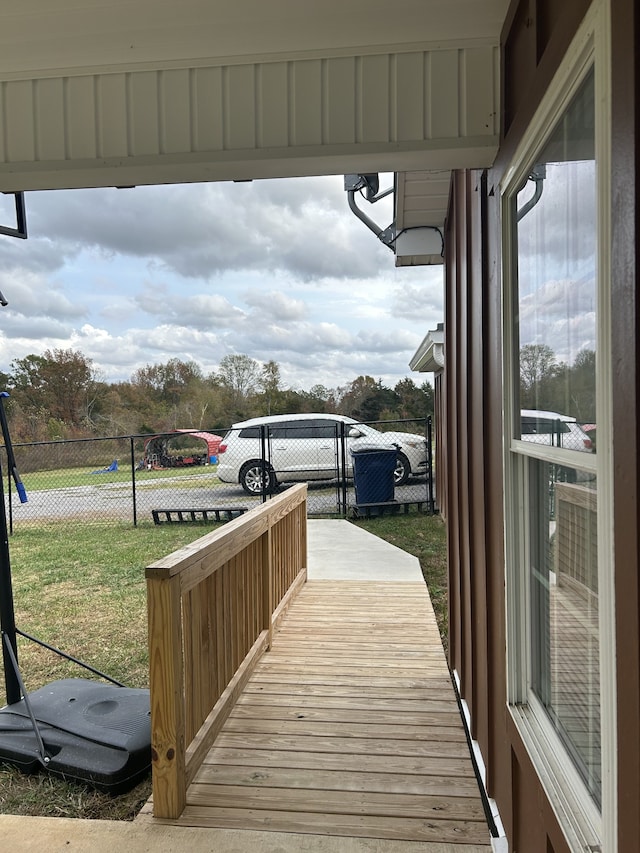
(61, 37)
(429, 357)
(421, 205)
(122, 92)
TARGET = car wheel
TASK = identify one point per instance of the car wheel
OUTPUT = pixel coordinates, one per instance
(402, 470)
(251, 477)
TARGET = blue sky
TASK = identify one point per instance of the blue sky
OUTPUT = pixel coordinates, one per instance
(277, 269)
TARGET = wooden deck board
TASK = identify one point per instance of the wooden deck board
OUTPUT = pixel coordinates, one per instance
(384, 781)
(349, 726)
(365, 802)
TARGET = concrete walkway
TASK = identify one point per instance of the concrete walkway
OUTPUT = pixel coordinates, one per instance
(338, 550)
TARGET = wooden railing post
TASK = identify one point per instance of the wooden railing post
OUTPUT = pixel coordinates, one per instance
(203, 644)
(304, 543)
(267, 585)
(166, 678)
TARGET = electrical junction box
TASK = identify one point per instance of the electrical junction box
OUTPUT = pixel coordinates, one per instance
(419, 246)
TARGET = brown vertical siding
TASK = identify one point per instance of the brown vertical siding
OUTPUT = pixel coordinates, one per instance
(497, 753)
(467, 425)
(531, 54)
(536, 37)
(535, 41)
(457, 319)
(463, 384)
(625, 28)
(440, 439)
(451, 430)
(534, 829)
(476, 247)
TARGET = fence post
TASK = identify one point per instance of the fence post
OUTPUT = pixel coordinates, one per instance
(166, 679)
(263, 461)
(342, 467)
(9, 501)
(430, 465)
(133, 483)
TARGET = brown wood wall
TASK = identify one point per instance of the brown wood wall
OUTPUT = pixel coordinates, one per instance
(625, 27)
(536, 36)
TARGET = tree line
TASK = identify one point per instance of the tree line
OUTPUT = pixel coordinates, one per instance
(59, 395)
(556, 386)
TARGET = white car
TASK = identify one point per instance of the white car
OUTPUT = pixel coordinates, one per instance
(297, 448)
(541, 427)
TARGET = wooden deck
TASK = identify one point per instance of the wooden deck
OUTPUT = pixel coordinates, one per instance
(349, 726)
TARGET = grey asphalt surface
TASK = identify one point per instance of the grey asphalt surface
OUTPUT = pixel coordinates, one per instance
(115, 500)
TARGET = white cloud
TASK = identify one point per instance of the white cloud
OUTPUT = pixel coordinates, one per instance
(421, 301)
(202, 231)
(275, 304)
(276, 270)
(561, 315)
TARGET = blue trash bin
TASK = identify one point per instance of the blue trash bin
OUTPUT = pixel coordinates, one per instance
(373, 469)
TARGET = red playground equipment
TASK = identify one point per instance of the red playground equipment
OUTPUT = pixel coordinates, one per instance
(159, 454)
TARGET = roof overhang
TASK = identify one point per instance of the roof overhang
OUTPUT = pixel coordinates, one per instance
(421, 203)
(115, 93)
(429, 357)
(127, 92)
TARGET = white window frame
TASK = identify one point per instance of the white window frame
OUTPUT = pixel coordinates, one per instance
(584, 825)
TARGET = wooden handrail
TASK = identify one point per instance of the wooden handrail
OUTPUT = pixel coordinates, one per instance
(576, 537)
(212, 606)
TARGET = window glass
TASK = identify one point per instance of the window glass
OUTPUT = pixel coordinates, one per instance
(555, 322)
(563, 579)
(281, 430)
(293, 429)
(554, 358)
(551, 428)
(329, 429)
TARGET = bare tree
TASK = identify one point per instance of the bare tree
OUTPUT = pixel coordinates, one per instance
(240, 375)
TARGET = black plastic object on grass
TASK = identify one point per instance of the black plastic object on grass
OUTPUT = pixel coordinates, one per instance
(78, 729)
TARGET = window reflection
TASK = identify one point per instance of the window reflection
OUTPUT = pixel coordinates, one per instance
(554, 330)
(555, 321)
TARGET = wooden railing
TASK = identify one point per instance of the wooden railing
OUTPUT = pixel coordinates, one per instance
(576, 539)
(212, 608)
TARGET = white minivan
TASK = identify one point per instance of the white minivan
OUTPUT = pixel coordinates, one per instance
(301, 447)
(541, 427)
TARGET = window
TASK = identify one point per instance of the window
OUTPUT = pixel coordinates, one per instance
(557, 484)
(290, 430)
(555, 274)
(328, 429)
(554, 320)
(554, 352)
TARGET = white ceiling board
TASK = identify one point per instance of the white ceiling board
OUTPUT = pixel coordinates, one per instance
(38, 37)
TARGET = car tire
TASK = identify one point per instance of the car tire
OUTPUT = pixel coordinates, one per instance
(402, 470)
(251, 477)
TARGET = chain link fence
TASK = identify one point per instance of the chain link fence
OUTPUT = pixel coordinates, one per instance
(192, 475)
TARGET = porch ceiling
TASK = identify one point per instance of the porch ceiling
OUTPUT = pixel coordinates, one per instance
(124, 92)
(49, 37)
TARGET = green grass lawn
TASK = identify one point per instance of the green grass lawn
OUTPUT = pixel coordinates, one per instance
(81, 588)
(64, 478)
